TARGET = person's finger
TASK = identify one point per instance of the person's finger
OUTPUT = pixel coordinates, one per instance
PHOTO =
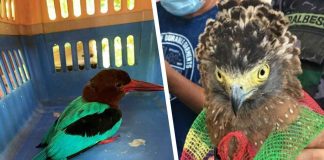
(211, 158)
(318, 142)
(311, 154)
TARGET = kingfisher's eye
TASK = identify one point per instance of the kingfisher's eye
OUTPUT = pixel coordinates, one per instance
(263, 72)
(118, 85)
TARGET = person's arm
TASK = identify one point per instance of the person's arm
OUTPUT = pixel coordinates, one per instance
(315, 150)
(186, 91)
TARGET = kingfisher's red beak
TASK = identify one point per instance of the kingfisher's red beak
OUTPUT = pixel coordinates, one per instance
(136, 85)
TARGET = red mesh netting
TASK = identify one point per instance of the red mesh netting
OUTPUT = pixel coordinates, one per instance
(244, 148)
(311, 103)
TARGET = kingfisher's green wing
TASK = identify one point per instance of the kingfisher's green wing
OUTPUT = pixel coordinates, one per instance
(81, 126)
(84, 133)
(77, 110)
(52, 129)
(74, 106)
(47, 136)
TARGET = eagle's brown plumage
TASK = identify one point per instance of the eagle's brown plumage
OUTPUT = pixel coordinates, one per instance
(244, 35)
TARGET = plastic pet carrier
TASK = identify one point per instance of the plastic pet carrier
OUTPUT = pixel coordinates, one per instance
(51, 48)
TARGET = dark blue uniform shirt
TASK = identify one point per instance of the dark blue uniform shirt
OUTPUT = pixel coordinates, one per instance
(179, 39)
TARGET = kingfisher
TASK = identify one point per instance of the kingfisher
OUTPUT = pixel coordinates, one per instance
(92, 118)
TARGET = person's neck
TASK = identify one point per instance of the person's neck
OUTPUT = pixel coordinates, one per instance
(206, 7)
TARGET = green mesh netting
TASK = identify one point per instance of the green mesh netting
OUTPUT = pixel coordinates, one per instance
(280, 145)
(289, 143)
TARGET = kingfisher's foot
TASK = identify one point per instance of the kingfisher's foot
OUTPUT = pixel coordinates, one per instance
(110, 140)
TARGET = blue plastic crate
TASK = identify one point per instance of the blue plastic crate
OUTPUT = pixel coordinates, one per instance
(32, 94)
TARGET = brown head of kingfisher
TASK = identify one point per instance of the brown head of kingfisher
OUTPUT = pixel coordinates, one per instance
(110, 85)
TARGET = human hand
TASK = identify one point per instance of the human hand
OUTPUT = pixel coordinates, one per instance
(315, 150)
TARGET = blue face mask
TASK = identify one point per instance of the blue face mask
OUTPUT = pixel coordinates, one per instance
(182, 7)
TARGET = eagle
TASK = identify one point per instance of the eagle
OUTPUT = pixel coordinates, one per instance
(249, 63)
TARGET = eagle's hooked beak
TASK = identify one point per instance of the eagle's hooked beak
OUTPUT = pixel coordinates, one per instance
(238, 96)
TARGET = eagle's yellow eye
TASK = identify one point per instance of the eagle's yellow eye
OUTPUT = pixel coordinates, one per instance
(219, 76)
(263, 72)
